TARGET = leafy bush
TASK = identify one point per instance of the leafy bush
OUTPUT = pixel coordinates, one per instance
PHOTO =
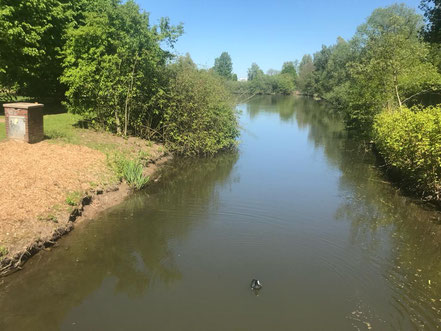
(410, 141)
(199, 118)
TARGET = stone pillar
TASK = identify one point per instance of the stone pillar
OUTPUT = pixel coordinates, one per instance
(24, 121)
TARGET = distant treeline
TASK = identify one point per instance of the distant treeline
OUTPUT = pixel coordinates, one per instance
(273, 82)
(107, 62)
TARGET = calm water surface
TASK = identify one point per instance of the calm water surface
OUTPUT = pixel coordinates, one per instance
(301, 207)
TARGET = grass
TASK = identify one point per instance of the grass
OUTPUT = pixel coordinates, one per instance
(125, 158)
(74, 198)
(131, 170)
(3, 251)
(64, 128)
(133, 174)
(58, 126)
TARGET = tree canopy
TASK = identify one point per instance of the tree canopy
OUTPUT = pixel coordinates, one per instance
(432, 14)
(31, 36)
(223, 66)
(112, 64)
(385, 65)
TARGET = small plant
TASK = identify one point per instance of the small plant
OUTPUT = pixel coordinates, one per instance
(143, 155)
(73, 198)
(116, 162)
(132, 173)
(3, 252)
(52, 218)
(128, 169)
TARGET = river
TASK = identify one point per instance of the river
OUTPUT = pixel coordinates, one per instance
(300, 206)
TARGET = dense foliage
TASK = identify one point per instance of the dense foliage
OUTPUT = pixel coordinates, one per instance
(109, 64)
(113, 65)
(385, 65)
(198, 115)
(410, 141)
(391, 63)
(31, 36)
(432, 13)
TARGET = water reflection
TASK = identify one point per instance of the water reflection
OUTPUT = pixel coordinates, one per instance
(126, 249)
(305, 209)
(381, 218)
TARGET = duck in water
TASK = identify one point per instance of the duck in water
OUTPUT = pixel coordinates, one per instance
(256, 285)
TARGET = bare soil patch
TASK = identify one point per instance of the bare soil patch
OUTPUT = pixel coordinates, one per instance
(35, 180)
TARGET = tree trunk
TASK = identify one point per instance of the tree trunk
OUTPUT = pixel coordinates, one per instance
(396, 91)
(117, 121)
(129, 92)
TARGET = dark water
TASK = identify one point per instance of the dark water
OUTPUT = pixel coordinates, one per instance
(300, 206)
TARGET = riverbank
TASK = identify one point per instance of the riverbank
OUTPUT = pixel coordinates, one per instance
(70, 176)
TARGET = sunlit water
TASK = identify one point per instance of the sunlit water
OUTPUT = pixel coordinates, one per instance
(301, 207)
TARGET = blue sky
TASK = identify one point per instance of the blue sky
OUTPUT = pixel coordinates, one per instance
(266, 32)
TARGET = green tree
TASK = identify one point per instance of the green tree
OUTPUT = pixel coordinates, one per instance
(305, 80)
(223, 66)
(397, 19)
(31, 36)
(254, 72)
(332, 83)
(114, 65)
(290, 69)
(393, 68)
(432, 30)
(432, 14)
(283, 84)
(386, 66)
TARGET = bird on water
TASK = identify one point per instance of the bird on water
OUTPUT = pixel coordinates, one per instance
(256, 284)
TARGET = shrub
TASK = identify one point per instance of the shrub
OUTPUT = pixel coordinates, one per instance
(410, 141)
(199, 118)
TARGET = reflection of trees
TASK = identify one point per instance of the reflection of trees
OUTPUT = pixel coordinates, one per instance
(282, 105)
(374, 208)
(128, 246)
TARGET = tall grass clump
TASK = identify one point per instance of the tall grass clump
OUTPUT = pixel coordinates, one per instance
(128, 169)
(409, 140)
(133, 174)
